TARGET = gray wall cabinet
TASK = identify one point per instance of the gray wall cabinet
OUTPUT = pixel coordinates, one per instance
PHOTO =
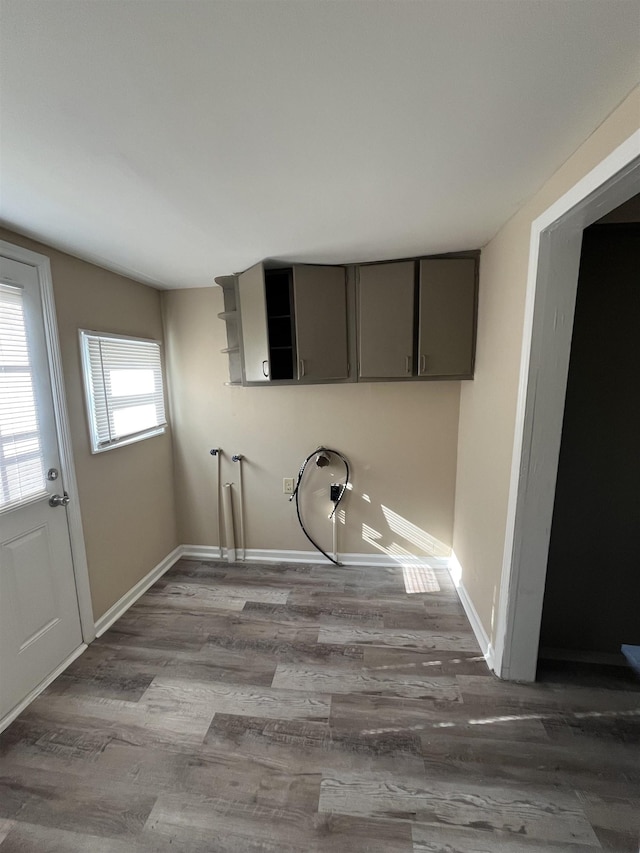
(446, 317)
(320, 310)
(294, 323)
(385, 320)
(417, 329)
(399, 320)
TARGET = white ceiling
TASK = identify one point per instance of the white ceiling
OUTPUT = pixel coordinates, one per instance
(175, 141)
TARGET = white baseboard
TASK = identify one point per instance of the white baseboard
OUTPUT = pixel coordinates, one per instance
(124, 603)
(388, 561)
(29, 698)
(203, 552)
(472, 615)
(266, 555)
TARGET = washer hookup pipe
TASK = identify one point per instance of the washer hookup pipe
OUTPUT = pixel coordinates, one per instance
(217, 452)
(238, 457)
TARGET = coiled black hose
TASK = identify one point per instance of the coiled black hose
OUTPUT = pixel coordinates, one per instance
(296, 491)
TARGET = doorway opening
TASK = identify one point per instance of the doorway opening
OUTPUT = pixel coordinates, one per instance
(592, 579)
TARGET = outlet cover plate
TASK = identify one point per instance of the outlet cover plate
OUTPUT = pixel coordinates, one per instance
(288, 485)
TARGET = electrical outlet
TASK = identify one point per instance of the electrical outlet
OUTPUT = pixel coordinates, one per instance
(288, 484)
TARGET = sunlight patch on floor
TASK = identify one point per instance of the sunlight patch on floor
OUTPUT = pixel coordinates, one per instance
(417, 576)
(420, 579)
(509, 718)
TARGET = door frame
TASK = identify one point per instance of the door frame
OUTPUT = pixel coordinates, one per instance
(552, 283)
(42, 266)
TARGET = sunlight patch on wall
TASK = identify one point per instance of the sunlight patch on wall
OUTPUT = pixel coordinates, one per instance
(414, 534)
(455, 569)
(400, 554)
(371, 536)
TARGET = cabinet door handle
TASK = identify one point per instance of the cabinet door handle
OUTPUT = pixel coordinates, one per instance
(302, 371)
(265, 368)
(408, 363)
(423, 363)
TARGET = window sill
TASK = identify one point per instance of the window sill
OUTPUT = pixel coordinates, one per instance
(130, 439)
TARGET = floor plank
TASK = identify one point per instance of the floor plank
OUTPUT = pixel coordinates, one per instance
(334, 680)
(543, 815)
(445, 839)
(5, 827)
(456, 641)
(167, 694)
(51, 798)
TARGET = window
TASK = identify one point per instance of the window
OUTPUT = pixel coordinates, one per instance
(123, 384)
(21, 457)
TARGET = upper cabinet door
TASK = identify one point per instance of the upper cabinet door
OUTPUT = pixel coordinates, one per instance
(320, 300)
(447, 317)
(385, 320)
(253, 311)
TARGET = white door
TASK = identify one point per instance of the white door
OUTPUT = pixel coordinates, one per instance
(39, 616)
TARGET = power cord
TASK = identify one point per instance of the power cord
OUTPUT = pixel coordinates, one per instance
(336, 501)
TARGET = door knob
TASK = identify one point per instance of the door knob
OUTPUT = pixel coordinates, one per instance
(59, 500)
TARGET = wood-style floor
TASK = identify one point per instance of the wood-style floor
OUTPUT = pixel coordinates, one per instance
(307, 709)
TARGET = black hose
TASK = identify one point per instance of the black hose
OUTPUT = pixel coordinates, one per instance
(296, 490)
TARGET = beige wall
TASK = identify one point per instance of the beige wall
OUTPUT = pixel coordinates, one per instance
(399, 437)
(126, 494)
(488, 405)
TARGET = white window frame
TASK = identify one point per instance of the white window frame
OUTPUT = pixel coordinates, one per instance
(97, 444)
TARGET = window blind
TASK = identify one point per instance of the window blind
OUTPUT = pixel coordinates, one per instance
(125, 397)
(21, 457)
